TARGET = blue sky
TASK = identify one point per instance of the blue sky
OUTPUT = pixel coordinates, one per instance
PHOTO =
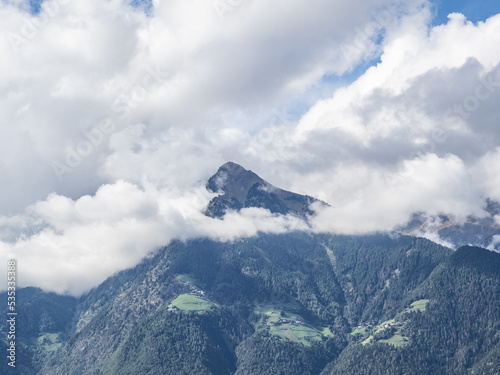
(35, 4)
(473, 10)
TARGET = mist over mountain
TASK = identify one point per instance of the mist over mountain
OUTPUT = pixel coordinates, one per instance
(476, 231)
(294, 303)
(240, 188)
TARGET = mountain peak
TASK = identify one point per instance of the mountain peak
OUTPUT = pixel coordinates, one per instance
(232, 168)
(231, 175)
(241, 188)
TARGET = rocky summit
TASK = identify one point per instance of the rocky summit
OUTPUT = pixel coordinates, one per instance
(240, 188)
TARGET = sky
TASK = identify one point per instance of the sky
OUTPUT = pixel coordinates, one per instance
(115, 114)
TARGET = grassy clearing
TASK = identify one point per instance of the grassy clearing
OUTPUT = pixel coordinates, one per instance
(361, 331)
(49, 342)
(273, 313)
(282, 332)
(326, 332)
(367, 341)
(396, 340)
(288, 324)
(419, 305)
(302, 334)
(306, 333)
(188, 302)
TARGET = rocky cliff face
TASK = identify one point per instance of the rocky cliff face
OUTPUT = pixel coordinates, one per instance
(240, 188)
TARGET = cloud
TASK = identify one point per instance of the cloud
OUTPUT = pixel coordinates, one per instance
(376, 202)
(84, 241)
(114, 118)
(79, 63)
(485, 174)
(416, 132)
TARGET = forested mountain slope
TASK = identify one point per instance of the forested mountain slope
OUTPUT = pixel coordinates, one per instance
(458, 333)
(269, 304)
(277, 304)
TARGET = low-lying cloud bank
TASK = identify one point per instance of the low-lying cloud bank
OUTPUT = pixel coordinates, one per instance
(69, 246)
(83, 242)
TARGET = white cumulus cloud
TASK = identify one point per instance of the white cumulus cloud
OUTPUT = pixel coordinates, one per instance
(114, 118)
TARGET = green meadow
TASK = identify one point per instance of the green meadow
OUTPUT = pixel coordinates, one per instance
(188, 302)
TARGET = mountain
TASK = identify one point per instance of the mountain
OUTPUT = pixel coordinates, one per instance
(457, 332)
(292, 304)
(483, 232)
(206, 307)
(240, 188)
(295, 304)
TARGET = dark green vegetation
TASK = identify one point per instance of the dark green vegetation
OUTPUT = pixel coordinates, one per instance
(459, 332)
(280, 304)
(43, 324)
